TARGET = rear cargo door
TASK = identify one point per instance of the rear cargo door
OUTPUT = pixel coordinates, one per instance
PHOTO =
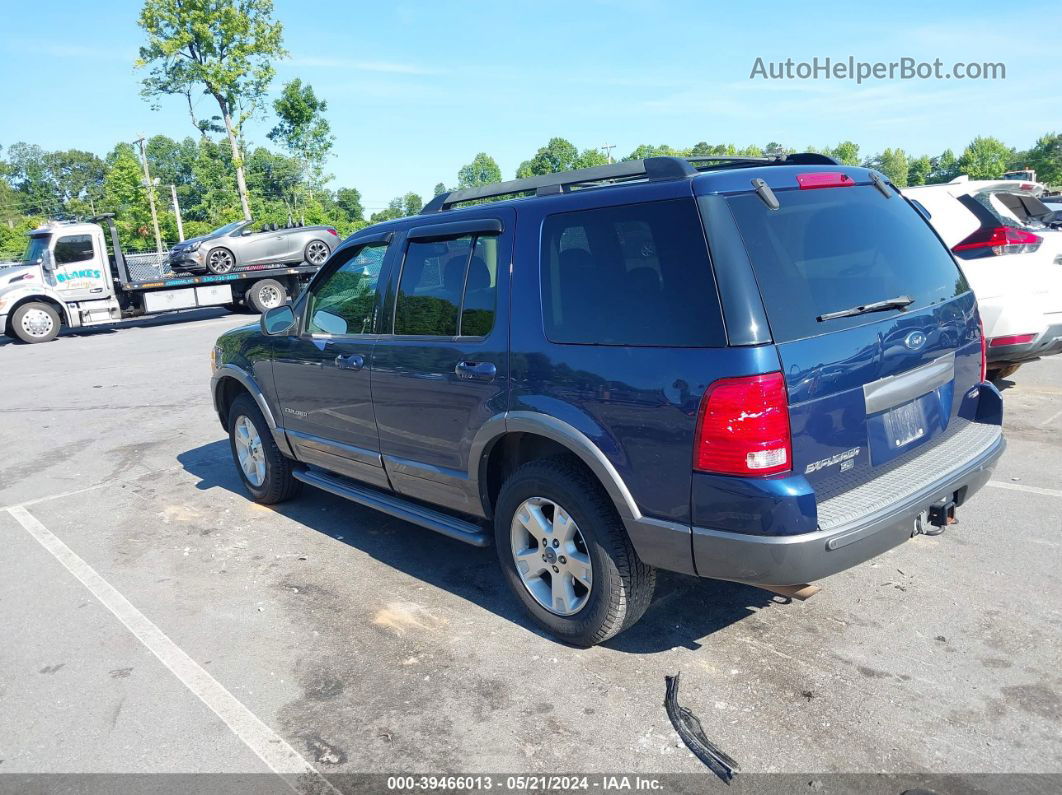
(871, 387)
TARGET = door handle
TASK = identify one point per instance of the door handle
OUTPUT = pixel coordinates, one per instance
(476, 371)
(354, 361)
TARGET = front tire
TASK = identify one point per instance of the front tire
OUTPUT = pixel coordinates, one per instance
(35, 322)
(220, 260)
(566, 555)
(264, 470)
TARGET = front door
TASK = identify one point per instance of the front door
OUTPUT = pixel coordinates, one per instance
(444, 371)
(80, 273)
(322, 372)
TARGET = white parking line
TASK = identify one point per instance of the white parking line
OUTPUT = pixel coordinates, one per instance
(1051, 419)
(999, 484)
(270, 747)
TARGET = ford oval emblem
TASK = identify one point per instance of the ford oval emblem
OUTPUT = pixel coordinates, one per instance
(915, 340)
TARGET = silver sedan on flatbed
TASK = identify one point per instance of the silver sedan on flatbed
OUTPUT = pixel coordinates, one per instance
(242, 243)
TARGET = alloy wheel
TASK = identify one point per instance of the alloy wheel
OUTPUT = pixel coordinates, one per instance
(249, 450)
(317, 252)
(220, 261)
(551, 556)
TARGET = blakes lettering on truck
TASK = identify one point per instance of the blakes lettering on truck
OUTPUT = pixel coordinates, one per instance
(68, 276)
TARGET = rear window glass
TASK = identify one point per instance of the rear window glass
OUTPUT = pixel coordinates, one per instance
(631, 275)
(827, 250)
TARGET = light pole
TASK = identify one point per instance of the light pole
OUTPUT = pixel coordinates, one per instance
(177, 212)
(150, 192)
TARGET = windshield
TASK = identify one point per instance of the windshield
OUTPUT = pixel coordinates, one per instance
(828, 250)
(224, 230)
(37, 246)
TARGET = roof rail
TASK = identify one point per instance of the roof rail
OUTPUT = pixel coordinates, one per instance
(652, 168)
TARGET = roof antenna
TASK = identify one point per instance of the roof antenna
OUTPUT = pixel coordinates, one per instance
(763, 190)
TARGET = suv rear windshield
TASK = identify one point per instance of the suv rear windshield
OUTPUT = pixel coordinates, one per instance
(637, 274)
(827, 250)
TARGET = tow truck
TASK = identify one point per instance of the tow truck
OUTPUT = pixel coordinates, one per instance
(69, 279)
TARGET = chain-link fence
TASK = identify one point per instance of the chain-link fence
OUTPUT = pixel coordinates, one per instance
(148, 265)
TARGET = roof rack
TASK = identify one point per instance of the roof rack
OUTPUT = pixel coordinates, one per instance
(651, 168)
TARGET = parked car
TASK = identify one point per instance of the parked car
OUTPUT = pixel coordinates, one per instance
(1003, 239)
(239, 245)
(579, 378)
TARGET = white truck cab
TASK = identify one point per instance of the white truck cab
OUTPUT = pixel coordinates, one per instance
(64, 279)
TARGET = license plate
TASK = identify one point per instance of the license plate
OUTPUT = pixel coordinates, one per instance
(905, 424)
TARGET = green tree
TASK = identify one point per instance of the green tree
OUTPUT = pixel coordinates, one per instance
(483, 170)
(919, 170)
(124, 195)
(399, 207)
(440, 189)
(224, 48)
(1046, 158)
(985, 158)
(559, 154)
(945, 167)
(893, 164)
(349, 201)
(303, 130)
(845, 153)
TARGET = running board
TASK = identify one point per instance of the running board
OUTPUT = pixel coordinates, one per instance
(397, 506)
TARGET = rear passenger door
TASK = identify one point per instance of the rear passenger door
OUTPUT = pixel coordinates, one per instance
(444, 369)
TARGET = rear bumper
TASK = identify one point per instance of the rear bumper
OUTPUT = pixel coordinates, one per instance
(792, 560)
(1047, 344)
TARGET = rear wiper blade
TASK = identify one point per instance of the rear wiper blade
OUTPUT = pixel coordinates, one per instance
(899, 302)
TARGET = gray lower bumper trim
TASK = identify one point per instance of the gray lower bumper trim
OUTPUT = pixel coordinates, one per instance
(793, 560)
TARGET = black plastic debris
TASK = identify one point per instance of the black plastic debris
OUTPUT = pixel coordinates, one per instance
(689, 729)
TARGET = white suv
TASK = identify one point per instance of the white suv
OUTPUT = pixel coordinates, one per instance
(1011, 258)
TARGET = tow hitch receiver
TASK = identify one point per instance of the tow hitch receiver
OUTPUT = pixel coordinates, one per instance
(937, 518)
(942, 514)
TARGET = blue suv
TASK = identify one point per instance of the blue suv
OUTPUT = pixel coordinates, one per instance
(759, 370)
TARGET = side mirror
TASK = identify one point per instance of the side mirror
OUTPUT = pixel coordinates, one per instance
(48, 261)
(278, 321)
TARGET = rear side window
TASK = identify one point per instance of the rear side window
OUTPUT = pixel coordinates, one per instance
(448, 288)
(827, 250)
(630, 275)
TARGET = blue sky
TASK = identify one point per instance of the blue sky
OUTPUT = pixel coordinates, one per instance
(415, 90)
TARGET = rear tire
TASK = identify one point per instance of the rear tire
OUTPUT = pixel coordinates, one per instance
(35, 322)
(997, 374)
(620, 584)
(266, 294)
(264, 470)
(316, 252)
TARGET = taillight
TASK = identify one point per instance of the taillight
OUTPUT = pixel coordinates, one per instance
(333, 231)
(984, 349)
(1011, 339)
(743, 427)
(999, 240)
(824, 179)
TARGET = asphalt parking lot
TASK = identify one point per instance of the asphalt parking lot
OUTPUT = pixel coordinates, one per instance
(154, 620)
